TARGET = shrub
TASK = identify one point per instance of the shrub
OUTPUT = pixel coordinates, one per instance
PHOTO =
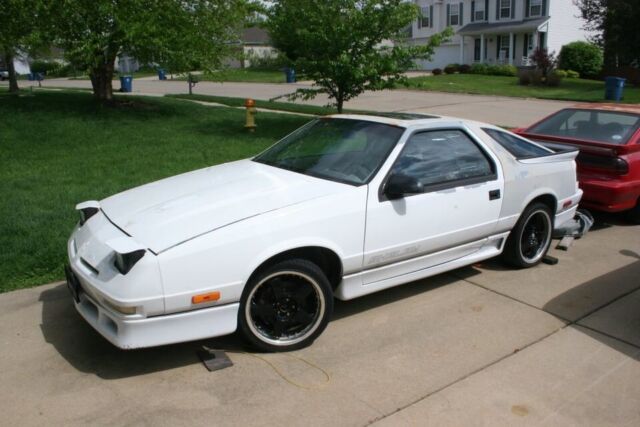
(501, 70)
(436, 71)
(572, 74)
(46, 67)
(583, 57)
(555, 77)
(544, 61)
(478, 69)
(464, 69)
(524, 77)
(451, 68)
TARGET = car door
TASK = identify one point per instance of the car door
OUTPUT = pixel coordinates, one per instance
(451, 216)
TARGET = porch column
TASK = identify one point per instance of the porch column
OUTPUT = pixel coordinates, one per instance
(461, 50)
(482, 48)
(511, 49)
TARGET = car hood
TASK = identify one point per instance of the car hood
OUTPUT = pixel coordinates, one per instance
(169, 212)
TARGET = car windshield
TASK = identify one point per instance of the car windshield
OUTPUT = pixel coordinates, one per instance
(343, 150)
(610, 127)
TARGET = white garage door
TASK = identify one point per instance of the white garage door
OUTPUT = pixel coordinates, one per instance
(443, 56)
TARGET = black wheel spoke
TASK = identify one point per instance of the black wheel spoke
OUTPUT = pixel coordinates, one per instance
(303, 317)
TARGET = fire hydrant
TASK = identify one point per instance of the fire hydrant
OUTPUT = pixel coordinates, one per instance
(251, 113)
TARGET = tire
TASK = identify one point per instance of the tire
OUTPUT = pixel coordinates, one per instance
(633, 215)
(530, 239)
(286, 306)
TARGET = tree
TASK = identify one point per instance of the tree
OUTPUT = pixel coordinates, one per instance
(177, 33)
(18, 25)
(343, 45)
(614, 23)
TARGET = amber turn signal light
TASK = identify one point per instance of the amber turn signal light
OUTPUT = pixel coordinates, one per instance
(208, 297)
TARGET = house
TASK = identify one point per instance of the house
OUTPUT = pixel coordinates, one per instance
(496, 31)
(255, 43)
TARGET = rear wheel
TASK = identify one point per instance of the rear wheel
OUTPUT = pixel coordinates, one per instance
(530, 239)
(286, 306)
(634, 214)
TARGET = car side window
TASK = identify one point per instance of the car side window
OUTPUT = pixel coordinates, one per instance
(519, 148)
(443, 156)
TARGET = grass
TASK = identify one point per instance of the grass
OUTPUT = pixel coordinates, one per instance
(569, 90)
(60, 148)
(269, 105)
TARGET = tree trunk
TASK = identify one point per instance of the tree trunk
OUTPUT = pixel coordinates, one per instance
(13, 78)
(101, 77)
(339, 101)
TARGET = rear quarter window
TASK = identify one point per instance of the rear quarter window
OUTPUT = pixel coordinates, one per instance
(519, 148)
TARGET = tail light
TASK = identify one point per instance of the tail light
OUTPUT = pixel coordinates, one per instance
(616, 165)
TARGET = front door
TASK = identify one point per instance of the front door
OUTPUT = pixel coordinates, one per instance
(457, 208)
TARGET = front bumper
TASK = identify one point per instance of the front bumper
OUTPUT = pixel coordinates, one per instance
(128, 332)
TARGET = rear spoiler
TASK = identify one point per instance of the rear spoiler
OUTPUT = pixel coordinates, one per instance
(568, 154)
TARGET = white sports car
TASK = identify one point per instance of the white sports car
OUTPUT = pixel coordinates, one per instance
(345, 206)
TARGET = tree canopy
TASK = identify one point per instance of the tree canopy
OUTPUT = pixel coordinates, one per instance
(614, 23)
(177, 34)
(347, 46)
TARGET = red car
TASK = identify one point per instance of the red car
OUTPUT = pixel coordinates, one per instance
(608, 136)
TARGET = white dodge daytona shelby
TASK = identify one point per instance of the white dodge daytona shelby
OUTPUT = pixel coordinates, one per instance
(345, 206)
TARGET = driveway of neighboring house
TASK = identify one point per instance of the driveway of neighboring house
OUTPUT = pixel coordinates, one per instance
(482, 345)
(503, 111)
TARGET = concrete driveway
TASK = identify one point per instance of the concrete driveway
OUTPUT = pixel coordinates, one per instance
(483, 345)
(502, 111)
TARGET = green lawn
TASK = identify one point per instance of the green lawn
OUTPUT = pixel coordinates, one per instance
(242, 75)
(270, 105)
(60, 148)
(570, 89)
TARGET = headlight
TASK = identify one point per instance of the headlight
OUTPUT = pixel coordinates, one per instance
(125, 262)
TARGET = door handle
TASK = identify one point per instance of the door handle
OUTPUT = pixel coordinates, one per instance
(494, 194)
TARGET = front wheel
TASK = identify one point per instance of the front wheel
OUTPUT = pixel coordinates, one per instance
(286, 307)
(530, 239)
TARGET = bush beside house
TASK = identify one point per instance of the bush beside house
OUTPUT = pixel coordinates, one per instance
(582, 57)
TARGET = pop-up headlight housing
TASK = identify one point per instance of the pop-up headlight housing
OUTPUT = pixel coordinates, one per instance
(127, 253)
(87, 210)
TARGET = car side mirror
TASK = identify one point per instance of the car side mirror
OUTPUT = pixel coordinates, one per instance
(399, 185)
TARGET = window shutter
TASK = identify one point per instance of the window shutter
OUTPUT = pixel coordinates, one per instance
(513, 48)
(527, 7)
(513, 9)
(544, 8)
(461, 15)
(486, 10)
(448, 14)
(525, 45)
(431, 16)
(497, 10)
(473, 10)
(498, 47)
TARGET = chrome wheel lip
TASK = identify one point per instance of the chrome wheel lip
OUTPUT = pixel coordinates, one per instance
(295, 339)
(541, 246)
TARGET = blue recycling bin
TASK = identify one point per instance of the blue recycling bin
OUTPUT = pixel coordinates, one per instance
(126, 84)
(31, 77)
(290, 74)
(613, 88)
(162, 74)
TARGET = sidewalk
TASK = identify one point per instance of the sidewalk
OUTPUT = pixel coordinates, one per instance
(503, 111)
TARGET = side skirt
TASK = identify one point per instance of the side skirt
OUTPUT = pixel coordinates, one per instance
(352, 285)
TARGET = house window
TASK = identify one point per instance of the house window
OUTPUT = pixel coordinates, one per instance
(477, 46)
(454, 14)
(505, 8)
(504, 48)
(478, 13)
(535, 8)
(425, 18)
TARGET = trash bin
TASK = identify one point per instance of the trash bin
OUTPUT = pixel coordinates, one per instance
(291, 75)
(30, 77)
(126, 84)
(39, 76)
(613, 88)
(162, 74)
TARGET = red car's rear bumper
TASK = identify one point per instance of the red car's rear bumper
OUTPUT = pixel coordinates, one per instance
(608, 196)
